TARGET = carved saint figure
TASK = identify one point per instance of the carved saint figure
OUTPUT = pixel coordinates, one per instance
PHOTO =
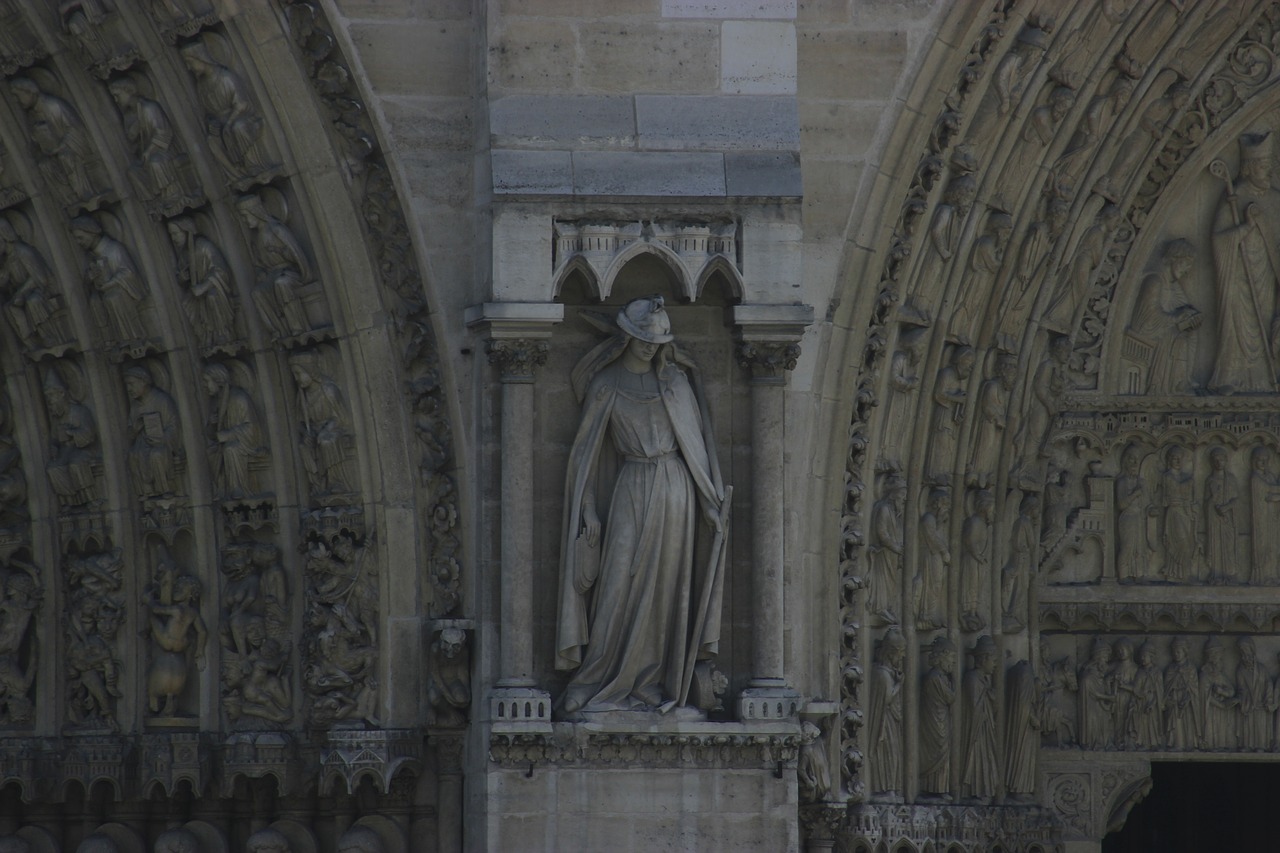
(992, 415)
(1221, 495)
(325, 428)
(1053, 678)
(177, 634)
(975, 560)
(904, 379)
(449, 679)
(1097, 699)
(813, 774)
(1131, 519)
(159, 169)
(1034, 260)
(1148, 701)
(235, 435)
(937, 698)
(1177, 498)
(935, 563)
(884, 550)
(64, 152)
(72, 432)
(156, 437)
(884, 715)
(1124, 674)
(1047, 388)
(1248, 274)
(1181, 699)
(949, 392)
(95, 611)
(282, 265)
(980, 769)
(985, 259)
(22, 594)
(639, 602)
(32, 302)
(944, 235)
(232, 120)
(1020, 568)
(118, 286)
(1264, 515)
(1219, 699)
(1074, 282)
(1022, 726)
(209, 292)
(1253, 697)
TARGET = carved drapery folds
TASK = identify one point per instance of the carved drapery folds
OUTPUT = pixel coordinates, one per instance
(341, 645)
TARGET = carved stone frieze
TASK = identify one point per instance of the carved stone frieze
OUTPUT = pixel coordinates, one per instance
(348, 755)
(167, 760)
(518, 358)
(715, 746)
(1011, 828)
(255, 635)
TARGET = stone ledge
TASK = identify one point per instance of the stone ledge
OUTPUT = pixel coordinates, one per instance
(718, 122)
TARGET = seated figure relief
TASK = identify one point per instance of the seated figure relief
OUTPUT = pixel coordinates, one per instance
(118, 290)
(63, 150)
(155, 435)
(208, 298)
(73, 445)
(284, 270)
(99, 33)
(33, 304)
(256, 637)
(160, 170)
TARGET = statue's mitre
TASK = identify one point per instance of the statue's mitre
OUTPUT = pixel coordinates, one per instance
(1255, 146)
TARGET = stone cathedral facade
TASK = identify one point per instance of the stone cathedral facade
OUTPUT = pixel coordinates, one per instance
(443, 425)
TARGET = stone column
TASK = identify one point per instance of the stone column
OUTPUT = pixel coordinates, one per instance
(517, 336)
(769, 347)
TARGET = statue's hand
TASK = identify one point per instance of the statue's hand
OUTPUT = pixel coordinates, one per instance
(712, 517)
(591, 524)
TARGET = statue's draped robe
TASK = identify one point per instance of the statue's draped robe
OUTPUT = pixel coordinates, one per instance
(1247, 279)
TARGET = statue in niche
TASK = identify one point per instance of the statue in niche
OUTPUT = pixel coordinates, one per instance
(1220, 21)
(1034, 257)
(233, 122)
(95, 612)
(235, 434)
(1247, 273)
(202, 269)
(1253, 698)
(283, 269)
(935, 564)
(257, 678)
(642, 402)
(1182, 699)
(992, 415)
(156, 437)
(1124, 675)
(937, 700)
(1264, 516)
(813, 774)
(177, 634)
(985, 259)
(1221, 494)
(1020, 568)
(980, 770)
(944, 235)
(73, 436)
(949, 392)
(32, 303)
(1075, 281)
(1097, 699)
(342, 659)
(1177, 498)
(113, 277)
(1047, 388)
(325, 429)
(904, 379)
(1040, 129)
(975, 559)
(1022, 730)
(159, 170)
(63, 150)
(1057, 506)
(1166, 322)
(1094, 124)
(1148, 701)
(97, 29)
(1053, 679)
(884, 550)
(1219, 699)
(1151, 33)
(23, 592)
(1152, 126)
(884, 715)
(1016, 66)
(1132, 508)
(449, 678)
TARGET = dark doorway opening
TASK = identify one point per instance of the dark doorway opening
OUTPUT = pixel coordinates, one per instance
(1195, 806)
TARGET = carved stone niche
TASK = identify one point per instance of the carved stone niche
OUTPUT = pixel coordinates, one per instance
(99, 33)
(61, 145)
(239, 458)
(156, 455)
(117, 288)
(449, 674)
(160, 170)
(177, 641)
(34, 304)
(693, 250)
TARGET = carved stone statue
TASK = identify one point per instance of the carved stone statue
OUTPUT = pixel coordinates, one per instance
(95, 611)
(1022, 730)
(642, 403)
(22, 591)
(1183, 715)
(975, 560)
(985, 259)
(944, 235)
(1264, 516)
(1021, 566)
(884, 551)
(980, 769)
(884, 715)
(64, 152)
(904, 379)
(449, 678)
(1013, 69)
(1253, 687)
(283, 268)
(177, 634)
(208, 300)
(949, 392)
(342, 641)
(1097, 699)
(235, 435)
(1132, 508)
(113, 277)
(1244, 256)
(159, 170)
(1153, 124)
(73, 436)
(937, 700)
(156, 440)
(32, 303)
(1148, 701)
(1047, 387)
(935, 563)
(1054, 678)
(232, 120)
(1221, 497)
(1124, 673)
(1035, 256)
(1074, 283)
(98, 32)
(256, 644)
(1219, 699)
(325, 429)
(1093, 125)
(1177, 497)
(813, 774)
(992, 420)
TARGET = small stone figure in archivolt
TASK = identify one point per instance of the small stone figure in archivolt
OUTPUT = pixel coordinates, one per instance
(643, 551)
